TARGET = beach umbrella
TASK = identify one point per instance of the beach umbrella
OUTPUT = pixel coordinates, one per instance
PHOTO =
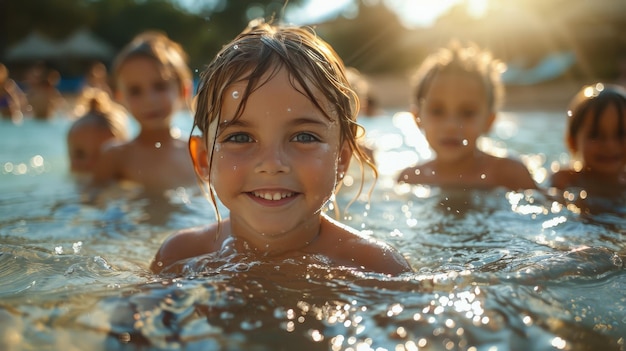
(33, 47)
(84, 44)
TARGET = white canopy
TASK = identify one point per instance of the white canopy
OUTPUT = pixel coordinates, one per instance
(84, 44)
(34, 46)
(81, 44)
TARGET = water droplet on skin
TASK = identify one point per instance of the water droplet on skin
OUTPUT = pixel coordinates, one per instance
(157, 145)
(465, 142)
(289, 109)
(235, 94)
(483, 176)
(234, 168)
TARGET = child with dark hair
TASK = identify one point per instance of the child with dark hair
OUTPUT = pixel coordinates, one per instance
(596, 138)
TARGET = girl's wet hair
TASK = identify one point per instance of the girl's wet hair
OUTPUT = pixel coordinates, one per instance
(255, 56)
(469, 60)
(155, 45)
(593, 100)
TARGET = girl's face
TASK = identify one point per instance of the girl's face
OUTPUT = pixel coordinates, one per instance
(149, 97)
(453, 114)
(277, 165)
(84, 144)
(605, 152)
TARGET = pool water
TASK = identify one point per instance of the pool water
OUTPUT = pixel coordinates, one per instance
(494, 270)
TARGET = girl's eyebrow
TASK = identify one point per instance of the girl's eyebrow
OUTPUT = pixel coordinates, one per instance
(240, 122)
(310, 120)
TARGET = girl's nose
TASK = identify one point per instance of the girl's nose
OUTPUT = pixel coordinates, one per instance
(154, 96)
(272, 160)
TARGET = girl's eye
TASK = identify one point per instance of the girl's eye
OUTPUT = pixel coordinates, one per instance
(238, 138)
(161, 86)
(305, 138)
(134, 91)
(467, 114)
(435, 111)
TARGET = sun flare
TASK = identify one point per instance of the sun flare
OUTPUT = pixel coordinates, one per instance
(424, 13)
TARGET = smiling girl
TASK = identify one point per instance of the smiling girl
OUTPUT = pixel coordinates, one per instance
(278, 124)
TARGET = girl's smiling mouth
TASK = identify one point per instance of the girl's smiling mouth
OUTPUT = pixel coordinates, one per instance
(272, 198)
(272, 195)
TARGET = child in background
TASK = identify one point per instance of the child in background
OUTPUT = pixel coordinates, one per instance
(97, 76)
(367, 99)
(278, 124)
(596, 138)
(153, 81)
(102, 121)
(44, 99)
(12, 98)
(367, 105)
(456, 95)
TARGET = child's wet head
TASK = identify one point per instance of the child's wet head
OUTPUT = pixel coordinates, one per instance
(251, 60)
(591, 102)
(169, 56)
(256, 55)
(468, 61)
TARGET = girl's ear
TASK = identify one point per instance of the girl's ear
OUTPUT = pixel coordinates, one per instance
(414, 110)
(490, 119)
(187, 90)
(345, 155)
(571, 144)
(199, 156)
(118, 97)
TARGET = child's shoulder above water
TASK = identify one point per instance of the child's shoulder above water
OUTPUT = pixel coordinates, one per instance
(483, 171)
(592, 182)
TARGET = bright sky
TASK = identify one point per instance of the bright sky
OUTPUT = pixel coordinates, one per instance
(412, 13)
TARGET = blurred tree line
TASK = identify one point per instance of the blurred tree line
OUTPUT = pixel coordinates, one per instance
(117, 21)
(368, 35)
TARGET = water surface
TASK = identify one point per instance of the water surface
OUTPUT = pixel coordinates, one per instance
(494, 270)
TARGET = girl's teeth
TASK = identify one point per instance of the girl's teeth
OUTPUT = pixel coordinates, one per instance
(274, 196)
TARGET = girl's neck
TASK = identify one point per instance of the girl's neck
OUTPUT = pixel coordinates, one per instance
(590, 175)
(474, 161)
(153, 136)
(295, 240)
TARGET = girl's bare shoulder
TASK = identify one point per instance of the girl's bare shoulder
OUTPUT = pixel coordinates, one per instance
(347, 246)
(511, 173)
(563, 178)
(186, 243)
(416, 174)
